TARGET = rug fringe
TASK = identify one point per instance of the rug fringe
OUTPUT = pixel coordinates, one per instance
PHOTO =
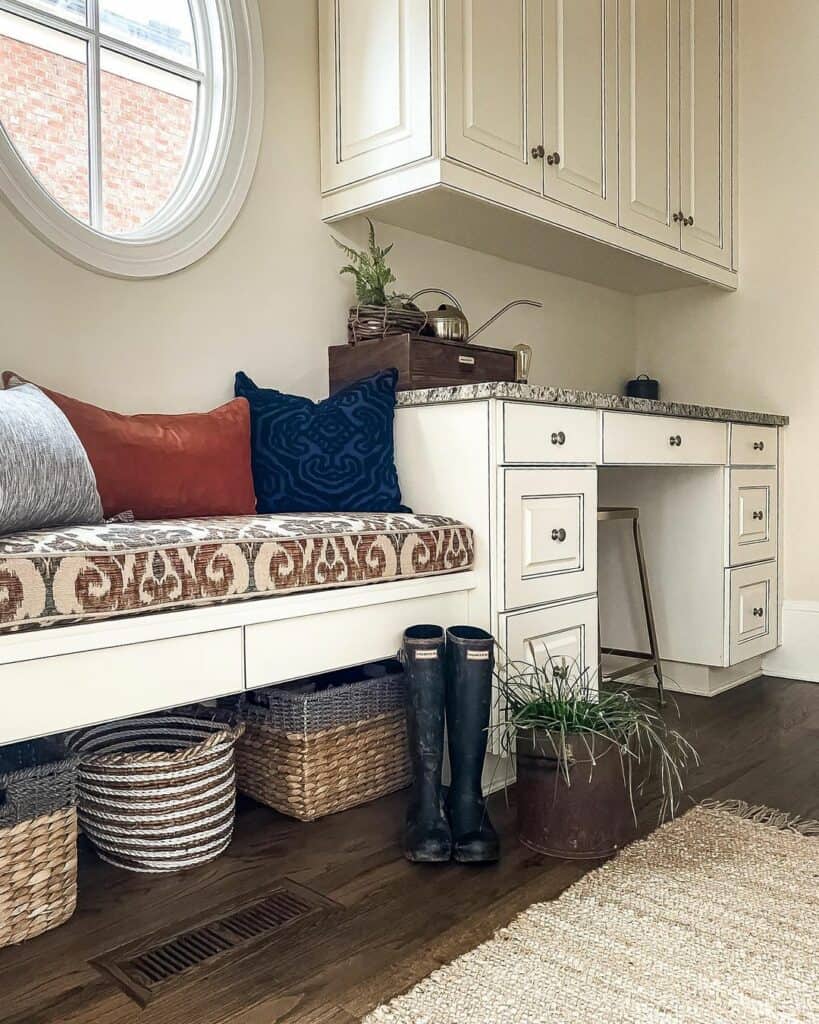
(766, 816)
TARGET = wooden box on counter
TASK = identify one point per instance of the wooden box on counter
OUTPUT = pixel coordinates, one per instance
(421, 362)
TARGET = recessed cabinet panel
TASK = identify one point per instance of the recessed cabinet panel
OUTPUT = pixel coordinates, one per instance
(375, 87)
(549, 542)
(752, 601)
(580, 104)
(753, 515)
(493, 54)
(705, 128)
(649, 118)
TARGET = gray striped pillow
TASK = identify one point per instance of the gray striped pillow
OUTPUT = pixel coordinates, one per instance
(45, 476)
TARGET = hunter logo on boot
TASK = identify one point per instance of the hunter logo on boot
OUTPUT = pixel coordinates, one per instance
(477, 655)
(425, 655)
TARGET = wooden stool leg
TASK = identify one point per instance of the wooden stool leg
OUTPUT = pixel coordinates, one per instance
(649, 611)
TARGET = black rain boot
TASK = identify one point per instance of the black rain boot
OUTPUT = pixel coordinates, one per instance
(427, 836)
(470, 659)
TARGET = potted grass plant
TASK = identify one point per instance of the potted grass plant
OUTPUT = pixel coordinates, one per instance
(379, 311)
(583, 756)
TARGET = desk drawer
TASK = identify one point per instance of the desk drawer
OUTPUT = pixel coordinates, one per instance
(753, 446)
(752, 519)
(753, 611)
(635, 439)
(543, 433)
(549, 529)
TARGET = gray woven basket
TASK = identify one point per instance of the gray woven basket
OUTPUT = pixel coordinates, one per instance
(312, 749)
(35, 779)
(295, 711)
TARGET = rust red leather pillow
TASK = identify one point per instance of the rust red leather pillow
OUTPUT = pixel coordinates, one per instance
(166, 466)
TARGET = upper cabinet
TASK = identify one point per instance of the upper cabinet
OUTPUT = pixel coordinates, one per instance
(375, 87)
(580, 104)
(705, 129)
(593, 138)
(649, 95)
(492, 81)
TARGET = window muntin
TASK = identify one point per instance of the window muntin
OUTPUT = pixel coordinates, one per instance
(129, 104)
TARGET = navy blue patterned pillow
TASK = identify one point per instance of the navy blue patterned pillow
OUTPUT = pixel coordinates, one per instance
(330, 456)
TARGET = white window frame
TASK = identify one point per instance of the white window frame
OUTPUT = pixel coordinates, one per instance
(229, 72)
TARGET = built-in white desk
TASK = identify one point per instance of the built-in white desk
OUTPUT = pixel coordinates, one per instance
(526, 467)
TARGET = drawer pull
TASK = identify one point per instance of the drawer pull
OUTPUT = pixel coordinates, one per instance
(466, 360)
(558, 437)
(759, 446)
(757, 515)
(559, 535)
(675, 441)
(759, 612)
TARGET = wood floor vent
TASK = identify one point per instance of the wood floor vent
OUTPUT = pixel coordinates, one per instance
(142, 970)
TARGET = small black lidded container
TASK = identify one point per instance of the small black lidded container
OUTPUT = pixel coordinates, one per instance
(643, 387)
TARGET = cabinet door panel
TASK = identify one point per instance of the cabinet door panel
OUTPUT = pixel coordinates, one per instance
(751, 594)
(705, 128)
(649, 118)
(375, 87)
(493, 87)
(580, 103)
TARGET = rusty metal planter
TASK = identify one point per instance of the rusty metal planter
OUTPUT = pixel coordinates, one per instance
(588, 817)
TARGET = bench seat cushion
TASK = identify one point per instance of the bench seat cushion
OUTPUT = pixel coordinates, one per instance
(85, 573)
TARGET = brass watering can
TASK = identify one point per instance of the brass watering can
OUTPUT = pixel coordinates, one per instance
(449, 323)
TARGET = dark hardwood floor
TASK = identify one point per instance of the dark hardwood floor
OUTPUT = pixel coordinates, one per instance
(393, 922)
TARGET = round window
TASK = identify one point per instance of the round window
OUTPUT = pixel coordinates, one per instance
(129, 130)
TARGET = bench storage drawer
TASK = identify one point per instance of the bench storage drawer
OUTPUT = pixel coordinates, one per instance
(635, 439)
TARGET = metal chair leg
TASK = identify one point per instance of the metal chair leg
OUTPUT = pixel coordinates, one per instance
(649, 611)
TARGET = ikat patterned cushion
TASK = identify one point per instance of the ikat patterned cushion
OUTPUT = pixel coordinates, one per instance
(336, 455)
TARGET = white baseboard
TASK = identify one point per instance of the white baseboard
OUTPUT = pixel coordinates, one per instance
(798, 657)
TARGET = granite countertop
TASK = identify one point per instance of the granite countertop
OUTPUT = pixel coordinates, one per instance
(584, 400)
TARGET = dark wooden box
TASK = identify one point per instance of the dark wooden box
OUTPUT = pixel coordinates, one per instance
(421, 362)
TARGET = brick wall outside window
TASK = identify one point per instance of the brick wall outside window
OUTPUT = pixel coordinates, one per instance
(145, 134)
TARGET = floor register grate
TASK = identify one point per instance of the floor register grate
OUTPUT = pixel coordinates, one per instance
(142, 970)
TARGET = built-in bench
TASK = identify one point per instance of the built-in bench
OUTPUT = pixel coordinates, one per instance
(99, 622)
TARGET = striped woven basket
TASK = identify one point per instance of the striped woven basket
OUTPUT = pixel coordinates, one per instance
(158, 793)
(38, 841)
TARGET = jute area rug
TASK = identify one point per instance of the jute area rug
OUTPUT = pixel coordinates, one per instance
(714, 919)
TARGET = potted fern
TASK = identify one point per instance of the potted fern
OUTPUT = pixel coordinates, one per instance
(583, 756)
(378, 312)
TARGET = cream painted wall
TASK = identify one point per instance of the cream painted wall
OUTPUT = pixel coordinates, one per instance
(758, 348)
(268, 298)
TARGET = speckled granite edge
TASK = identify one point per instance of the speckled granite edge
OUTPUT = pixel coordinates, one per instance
(584, 400)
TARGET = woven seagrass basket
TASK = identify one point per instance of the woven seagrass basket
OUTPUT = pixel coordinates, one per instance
(313, 749)
(157, 793)
(38, 841)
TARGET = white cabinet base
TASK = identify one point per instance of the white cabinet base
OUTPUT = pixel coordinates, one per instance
(699, 680)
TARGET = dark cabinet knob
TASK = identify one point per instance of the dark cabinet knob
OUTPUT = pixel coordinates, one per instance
(538, 152)
(688, 222)
(677, 218)
(759, 612)
(559, 535)
(759, 446)
(757, 515)
(558, 437)
(553, 159)
(675, 441)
